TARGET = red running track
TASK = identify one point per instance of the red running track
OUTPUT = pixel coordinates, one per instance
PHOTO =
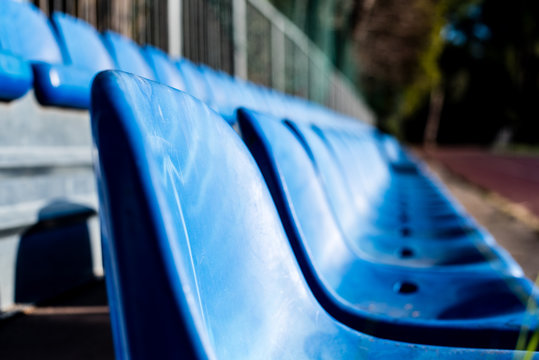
(515, 177)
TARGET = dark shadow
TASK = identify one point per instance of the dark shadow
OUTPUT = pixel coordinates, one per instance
(54, 255)
(75, 325)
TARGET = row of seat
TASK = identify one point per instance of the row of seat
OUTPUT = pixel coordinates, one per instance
(59, 59)
(46, 69)
(286, 242)
(356, 242)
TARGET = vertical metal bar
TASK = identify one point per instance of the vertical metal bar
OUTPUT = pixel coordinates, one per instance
(239, 16)
(278, 57)
(200, 43)
(186, 30)
(203, 23)
(175, 34)
(211, 31)
(86, 10)
(56, 5)
(43, 5)
(71, 7)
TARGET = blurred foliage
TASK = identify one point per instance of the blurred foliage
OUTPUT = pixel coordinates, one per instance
(490, 67)
(482, 56)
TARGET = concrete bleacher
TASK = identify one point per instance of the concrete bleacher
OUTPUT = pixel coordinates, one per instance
(310, 227)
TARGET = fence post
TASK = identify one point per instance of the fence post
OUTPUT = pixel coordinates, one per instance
(175, 27)
(278, 54)
(239, 17)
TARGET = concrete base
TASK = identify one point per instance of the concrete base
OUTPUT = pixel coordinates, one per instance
(49, 232)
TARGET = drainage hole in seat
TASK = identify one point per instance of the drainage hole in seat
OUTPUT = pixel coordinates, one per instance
(405, 231)
(406, 253)
(405, 287)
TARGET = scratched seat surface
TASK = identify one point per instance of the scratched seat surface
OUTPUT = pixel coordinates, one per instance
(198, 265)
(444, 305)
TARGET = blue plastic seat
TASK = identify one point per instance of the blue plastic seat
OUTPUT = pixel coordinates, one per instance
(26, 37)
(226, 93)
(30, 55)
(372, 185)
(195, 81)
(127, 55)
(198, 265)
(400, 159)
(444, 305)
(164, 68)
(354, 211)
(85, 55)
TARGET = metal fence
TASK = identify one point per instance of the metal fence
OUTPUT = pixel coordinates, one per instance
(144, 21)
(247, 38)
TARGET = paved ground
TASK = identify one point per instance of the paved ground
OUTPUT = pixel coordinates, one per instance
(77, 325)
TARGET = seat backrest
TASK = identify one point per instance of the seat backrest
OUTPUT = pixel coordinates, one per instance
(197, 262)
(195, 81)
(127, 55)
(367, 178)
(196, 257)
(339, 193)
(294, 183)
(81, 43)
(226, 95)
(165, 70)
(26, 32)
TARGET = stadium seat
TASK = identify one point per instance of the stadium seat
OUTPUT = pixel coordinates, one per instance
(164, 68)
(127, 55)
(195, 82)
(441, 305)
(30, 57)
(26, 39)
(198, 264)
(84, 51)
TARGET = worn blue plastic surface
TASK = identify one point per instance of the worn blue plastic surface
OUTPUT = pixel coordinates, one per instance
(127, 55)
(164, 68)
(445, 305)
(25, 37)
(198, 265)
